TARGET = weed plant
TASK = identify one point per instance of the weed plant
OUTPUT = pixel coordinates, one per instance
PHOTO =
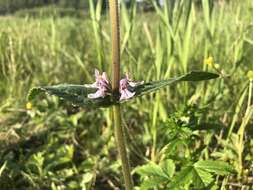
(178, 138)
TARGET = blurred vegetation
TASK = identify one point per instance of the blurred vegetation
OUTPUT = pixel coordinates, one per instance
(10, 6)
(51, 11)
(51, 144)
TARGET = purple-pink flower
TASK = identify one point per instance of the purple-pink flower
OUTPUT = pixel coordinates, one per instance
(126, 88)
(102, 84)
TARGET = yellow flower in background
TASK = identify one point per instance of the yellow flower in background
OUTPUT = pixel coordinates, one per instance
(250, 75)
(29, 106)
(209, 61)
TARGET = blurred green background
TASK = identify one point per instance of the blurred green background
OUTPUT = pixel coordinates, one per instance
(50, 144)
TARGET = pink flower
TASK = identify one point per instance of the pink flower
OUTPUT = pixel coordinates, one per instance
(102, 84)
(126, 88)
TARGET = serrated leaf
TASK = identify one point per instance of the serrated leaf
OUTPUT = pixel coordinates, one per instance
(192, 76)
(168, 167)
(152, 182)
(201, 178)
(77, 94)
(153, 175)
(182, 178)
(152, 170)
(199, 174)
(215, 166)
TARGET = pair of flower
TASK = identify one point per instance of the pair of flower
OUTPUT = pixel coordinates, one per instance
(103, 87)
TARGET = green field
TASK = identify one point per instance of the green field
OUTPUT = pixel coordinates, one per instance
(50, 144)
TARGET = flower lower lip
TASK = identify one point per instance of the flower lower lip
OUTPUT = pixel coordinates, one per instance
(103, 87)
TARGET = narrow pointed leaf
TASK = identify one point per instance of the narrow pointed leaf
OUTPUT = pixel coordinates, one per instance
(76, 94)
(190, 77)
(2, 168)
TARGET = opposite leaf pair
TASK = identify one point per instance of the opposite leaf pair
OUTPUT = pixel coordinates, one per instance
(86, 96)
(103, 85)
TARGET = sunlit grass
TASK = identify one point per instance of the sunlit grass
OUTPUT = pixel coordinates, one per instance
(155, 45)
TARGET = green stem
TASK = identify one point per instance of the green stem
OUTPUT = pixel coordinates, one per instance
(119, 131)
(241, 130)
(120, 140)
(114, 14)
(250, 95)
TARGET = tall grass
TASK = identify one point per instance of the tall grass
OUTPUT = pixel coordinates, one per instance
(165, 43)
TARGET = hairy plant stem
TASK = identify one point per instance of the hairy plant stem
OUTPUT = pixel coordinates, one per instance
(121, 144)
(119, 131)
(114, 14)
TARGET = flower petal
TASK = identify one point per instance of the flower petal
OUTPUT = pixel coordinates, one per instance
(134, 84)
(104, 77)
(102, 84)
(126, 94)
(93, 85)
(98, 94)
(96, 73)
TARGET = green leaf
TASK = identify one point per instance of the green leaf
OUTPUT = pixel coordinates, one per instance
(200, 174)
(152, 182)
(201, 178)
(198, 177)
(168, 167)
(62, 155)
(213, 166)
(2, 168)
(151, 169)
(86, 178)
(182, 178)
(77, 94)
(152, 174)
(190, 77)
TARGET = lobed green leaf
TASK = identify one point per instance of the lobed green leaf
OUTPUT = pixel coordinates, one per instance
(182, 178)
(151, 169)
(200, 174)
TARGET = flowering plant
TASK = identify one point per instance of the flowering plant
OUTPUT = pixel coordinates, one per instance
(103, 86)
(99, 93)
(122, 90)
